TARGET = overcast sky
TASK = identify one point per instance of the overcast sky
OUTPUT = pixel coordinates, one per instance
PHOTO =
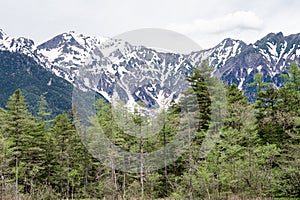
(207, 22)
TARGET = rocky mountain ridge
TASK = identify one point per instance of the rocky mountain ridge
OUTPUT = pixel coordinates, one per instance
(138, 73)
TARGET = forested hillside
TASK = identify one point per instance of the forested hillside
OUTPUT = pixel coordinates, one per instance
(20, 71)
(256, 156)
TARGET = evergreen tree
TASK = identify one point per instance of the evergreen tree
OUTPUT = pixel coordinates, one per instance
(268, 117)
(62, 132)
(289, 109)
(18, 126)
(5, 158)
(199, 85)
(292, 78)
(236, 101)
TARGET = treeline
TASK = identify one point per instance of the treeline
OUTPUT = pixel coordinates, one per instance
(257, 154)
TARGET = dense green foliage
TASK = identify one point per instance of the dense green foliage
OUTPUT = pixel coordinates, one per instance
(256, 156)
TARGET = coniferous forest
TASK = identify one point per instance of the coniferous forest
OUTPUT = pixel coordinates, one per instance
(257, 155)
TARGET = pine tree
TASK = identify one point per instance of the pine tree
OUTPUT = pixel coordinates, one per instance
(18, 126)
(199, 85)
(289, 110)
(63, 132)
(235, 101)
(268, 117)
(5, 158)
(292, 78)
(289, 99)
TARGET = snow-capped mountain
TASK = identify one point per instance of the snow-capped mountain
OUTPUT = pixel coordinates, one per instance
(138, 73)
(67, 52)
(21, 44)
(218, 55)
(270, 56)
(109, 66)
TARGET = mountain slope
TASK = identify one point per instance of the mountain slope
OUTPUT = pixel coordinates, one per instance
(20, 71)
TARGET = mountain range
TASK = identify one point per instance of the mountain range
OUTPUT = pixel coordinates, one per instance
(134, 73)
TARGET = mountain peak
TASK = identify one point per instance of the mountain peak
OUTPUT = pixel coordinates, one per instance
(294, 38)
(59, 41)
(231, 42)
(83, 39)
(26, 42)
(271, 37)
(279, 34)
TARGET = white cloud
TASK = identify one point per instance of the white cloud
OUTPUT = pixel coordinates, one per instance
(239, 20)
